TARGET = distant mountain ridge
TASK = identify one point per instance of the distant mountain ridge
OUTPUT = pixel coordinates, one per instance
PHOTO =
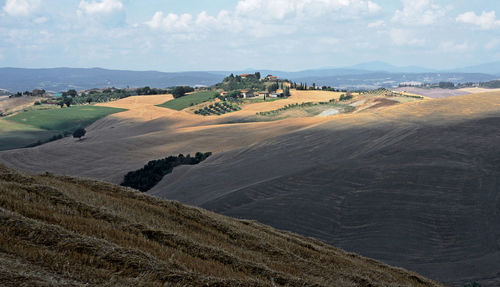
(59, 79)
(364, 75)
(488, 68)
(385, 67)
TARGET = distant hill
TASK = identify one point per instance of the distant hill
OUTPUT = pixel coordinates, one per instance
(373, 80)
(60, 79)
(62, 231)
(385, 67)
(487, 68)
(361, 79)
(366, 75)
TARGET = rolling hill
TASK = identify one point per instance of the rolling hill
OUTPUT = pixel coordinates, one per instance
(126, 141)
(413, 185)
(62, 231)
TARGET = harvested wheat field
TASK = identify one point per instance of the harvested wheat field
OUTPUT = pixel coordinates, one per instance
(63, 231)
(317, 176)
(479, 90)
(16, 104)
(413, 185)
(126, 141)
(439, 93)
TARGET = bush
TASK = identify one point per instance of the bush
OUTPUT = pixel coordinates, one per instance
(181, 91)
(345, 97)
(79, 133)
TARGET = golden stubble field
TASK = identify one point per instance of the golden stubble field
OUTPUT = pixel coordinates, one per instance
(126, 141)
(63, 231)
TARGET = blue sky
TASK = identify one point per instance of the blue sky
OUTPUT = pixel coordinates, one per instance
(237, 34)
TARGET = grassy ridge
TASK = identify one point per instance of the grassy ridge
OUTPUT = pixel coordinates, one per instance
(189, 100)
(62, 231)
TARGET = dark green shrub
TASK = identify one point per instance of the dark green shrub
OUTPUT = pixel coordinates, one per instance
(147, 177)
(79, 133)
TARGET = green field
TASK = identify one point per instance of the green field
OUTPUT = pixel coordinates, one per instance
(189, 100)
(65, 119)
(34, 126)
(14, 135)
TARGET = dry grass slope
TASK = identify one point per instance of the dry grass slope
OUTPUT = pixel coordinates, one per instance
(62, 231)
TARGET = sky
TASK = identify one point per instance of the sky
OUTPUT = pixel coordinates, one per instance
(205, 35)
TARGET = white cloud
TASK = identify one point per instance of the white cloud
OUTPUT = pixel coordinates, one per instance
(452, 47)
(271, 10)
(418, 13)
(492, 44)
(171, 22)
(41, 20)
(376, 24)
(280, 9)
(487, 20)
(405, 38)
(263, 18)
(330, 41)
(21, 7)
(205, 20)
(102, 7)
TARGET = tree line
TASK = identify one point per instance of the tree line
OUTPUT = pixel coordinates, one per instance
(147, 177)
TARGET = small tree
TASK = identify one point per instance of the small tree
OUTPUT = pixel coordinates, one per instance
(72, 93)
(68, 101)
(79, 133)
(286, 92)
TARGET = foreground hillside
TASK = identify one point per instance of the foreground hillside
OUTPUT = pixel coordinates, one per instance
(63, 231)
(412, 185)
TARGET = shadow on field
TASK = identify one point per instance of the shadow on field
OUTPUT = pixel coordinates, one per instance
(22, 139)
(412, 194)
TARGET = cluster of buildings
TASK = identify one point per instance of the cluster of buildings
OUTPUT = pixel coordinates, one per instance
(249, 94)
(267, 78)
